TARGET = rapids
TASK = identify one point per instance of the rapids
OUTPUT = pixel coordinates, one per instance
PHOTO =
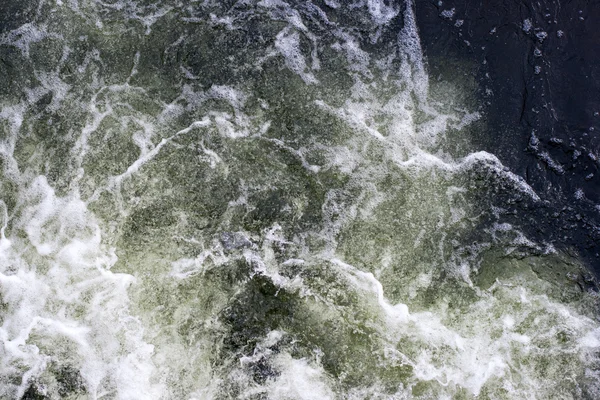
(264, 200)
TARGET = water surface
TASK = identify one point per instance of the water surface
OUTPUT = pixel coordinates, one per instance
(271, 200)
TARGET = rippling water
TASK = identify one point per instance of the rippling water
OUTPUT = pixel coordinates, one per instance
(265, 200)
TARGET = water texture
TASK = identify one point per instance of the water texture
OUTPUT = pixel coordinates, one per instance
(266, 200)
(537, 72)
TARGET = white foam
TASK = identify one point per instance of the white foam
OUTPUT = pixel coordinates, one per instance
(357, 58)
(25, 35)
(298, 380)
(413, 68)
(448, 14)
(45, 294)
(288, 44)
(380, 12)
(148, 155)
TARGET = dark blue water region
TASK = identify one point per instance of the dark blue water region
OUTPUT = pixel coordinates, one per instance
(537, 67)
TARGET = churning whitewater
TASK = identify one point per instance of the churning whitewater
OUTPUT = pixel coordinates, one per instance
(264, 200)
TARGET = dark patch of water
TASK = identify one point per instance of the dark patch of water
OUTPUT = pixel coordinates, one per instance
(538, 68)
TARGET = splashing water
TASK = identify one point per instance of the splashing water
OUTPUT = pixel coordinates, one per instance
(263, 200)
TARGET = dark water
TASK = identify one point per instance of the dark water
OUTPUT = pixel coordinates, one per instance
(536, 65)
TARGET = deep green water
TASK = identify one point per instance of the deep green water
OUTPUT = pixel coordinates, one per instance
(263, 200)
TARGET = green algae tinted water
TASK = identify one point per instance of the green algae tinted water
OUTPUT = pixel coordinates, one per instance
(263, 200)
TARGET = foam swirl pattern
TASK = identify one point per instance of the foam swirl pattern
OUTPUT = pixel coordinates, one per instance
(263, 200)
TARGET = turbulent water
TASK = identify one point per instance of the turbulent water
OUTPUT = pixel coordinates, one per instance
(264, 200)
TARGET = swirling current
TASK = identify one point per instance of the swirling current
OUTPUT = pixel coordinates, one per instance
(270, 200)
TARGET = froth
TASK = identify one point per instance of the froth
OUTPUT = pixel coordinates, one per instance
(286, 227)
(63, 304)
